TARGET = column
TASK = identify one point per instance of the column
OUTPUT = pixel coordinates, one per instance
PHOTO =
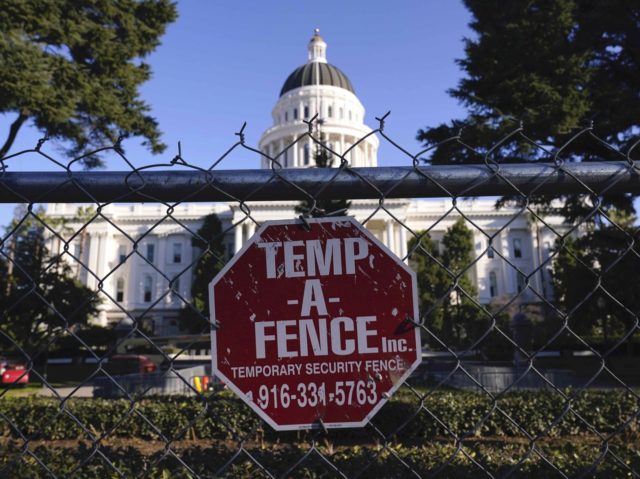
(508, 275)
(390, 233)
(294, 151)
(92, 260)
(103, 268)
(280, 149)
(238, 237)
(251, 228)
(105, 255)
(341, 147)
(403, 243)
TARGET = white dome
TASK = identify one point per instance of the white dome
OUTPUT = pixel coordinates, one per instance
(322, 89)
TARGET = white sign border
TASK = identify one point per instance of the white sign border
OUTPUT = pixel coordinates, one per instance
(328, 425)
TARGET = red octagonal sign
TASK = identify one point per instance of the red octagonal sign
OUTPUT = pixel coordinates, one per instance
(310, 323)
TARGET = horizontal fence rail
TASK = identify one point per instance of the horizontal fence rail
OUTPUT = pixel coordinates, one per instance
(299, 184)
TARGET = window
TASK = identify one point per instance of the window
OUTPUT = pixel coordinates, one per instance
(493, 284)
(286, 116)
(517, 248)
(329, 111)
(120, 289)
(151, 249)
(148, 288)
(306, 154)
(176, 290)
(306, 112)
(341, 113)
(295, 113)
(490, 252)
(122, 253)
(520, 280)
(177, 252)
(349, 115)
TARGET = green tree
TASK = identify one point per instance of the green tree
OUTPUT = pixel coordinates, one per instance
(596, 280)
(39, 295)
(424, 259)
(317, 208)
(446, 291)
(194, 318)
(555, 65)
(464, 320)
(73, 69)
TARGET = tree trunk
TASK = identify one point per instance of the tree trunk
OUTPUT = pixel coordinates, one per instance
(12, 258)
(13, 132)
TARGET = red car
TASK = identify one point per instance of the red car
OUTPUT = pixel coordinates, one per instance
(13, 373)
(130, 364)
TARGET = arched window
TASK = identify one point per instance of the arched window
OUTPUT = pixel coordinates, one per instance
(151, 250)
(120, 289)
(147, 288)
(306, 112)
(295, 113)
(493, 284)
(329, 111)
(306, 154)
(517, 248)
(341, 113)
(286, 116)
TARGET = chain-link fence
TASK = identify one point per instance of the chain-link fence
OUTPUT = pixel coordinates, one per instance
(529, 277)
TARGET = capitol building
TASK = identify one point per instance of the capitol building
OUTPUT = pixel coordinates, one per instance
(137, 290)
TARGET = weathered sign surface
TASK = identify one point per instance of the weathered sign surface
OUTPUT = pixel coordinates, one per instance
(310, 323)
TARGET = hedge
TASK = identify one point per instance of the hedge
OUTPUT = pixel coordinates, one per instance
(210, 431)
(397, 462)
(222, 417)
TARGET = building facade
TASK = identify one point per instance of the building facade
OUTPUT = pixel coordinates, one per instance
(143, 266)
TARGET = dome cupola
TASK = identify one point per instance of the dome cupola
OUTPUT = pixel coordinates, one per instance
(316, 71)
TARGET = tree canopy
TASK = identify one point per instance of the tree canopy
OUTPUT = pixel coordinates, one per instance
(73, 70)
(194, 318)
(596, 280)
(446, 291)
(554, 65)
(39, 294)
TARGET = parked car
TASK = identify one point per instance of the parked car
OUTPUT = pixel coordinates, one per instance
(130, 374)
(13, 373)
(122, 364)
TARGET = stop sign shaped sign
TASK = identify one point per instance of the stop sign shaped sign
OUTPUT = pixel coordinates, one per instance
(310, 323)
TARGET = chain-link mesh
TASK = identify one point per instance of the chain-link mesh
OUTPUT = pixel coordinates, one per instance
(528, 375)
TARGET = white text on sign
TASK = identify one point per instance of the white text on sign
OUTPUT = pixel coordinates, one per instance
(338, 256)
(340, 336)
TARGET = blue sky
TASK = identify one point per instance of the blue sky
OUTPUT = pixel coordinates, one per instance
(223, 63)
